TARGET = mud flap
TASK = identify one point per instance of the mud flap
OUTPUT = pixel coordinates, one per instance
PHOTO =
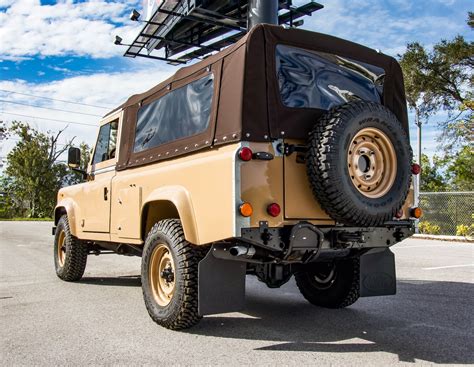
(377, 273)
(221, 285)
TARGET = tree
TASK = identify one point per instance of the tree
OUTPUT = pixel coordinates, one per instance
(442, 79)
(33, 171)
(431, 179)
(75, 177)
(461, 170)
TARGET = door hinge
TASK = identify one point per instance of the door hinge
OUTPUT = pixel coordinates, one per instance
(289, 149)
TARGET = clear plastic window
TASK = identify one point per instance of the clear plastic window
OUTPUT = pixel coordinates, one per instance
(311, 79)
(181, 113)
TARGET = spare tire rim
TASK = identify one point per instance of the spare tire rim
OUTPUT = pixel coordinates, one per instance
(161, 274)
(61, 250)
(372, 162)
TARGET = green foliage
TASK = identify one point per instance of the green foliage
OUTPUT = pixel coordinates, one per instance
(428, 228)
(34, 174)
(431, 178)
(442, 79)
(461, 169)
(464, 230)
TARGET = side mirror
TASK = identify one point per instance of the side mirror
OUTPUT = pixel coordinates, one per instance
(74, 157)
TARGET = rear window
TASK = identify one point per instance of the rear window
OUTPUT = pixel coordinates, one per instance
(311, 79)
(181, 113)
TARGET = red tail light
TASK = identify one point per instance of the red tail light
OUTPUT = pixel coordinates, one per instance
(245, 154)
(415, 169)
(274, 210)
(399, 214)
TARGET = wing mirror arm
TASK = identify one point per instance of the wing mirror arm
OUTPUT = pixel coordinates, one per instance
(84, 174)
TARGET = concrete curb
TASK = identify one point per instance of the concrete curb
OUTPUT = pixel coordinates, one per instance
(443, 238)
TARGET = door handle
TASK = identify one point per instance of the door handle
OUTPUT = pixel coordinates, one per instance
(106, 191)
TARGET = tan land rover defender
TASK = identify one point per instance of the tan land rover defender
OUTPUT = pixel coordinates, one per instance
(284, 154)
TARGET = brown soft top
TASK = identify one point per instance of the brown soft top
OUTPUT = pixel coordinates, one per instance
(247, 103)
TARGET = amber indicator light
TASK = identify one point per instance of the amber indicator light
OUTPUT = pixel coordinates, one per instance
(416, 212)
(246, 209)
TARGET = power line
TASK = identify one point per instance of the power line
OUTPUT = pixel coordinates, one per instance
(55, 99)
(15, 139)
(44, 118)
(49, 108)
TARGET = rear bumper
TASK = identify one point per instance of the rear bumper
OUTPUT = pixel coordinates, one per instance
(306, 236)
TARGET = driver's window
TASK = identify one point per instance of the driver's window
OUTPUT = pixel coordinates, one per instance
(106, 143)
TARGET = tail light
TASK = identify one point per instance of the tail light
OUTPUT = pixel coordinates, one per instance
(246, 209)
(415, 169)
(274, 210)
(399, 214)
(416, 212)
(245, 154)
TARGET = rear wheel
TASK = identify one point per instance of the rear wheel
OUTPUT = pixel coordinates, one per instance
(70, 253)
(170, 276)
(331, 285)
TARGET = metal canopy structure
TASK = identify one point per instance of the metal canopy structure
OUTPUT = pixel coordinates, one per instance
(191, 29)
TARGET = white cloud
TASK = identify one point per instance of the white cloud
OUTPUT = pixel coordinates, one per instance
(97, 89)
(28, 28)
(374, 23)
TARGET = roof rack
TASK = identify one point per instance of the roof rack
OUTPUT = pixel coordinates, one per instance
(184, 30)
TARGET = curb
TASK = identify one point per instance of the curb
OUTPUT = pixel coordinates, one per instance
(443, 238)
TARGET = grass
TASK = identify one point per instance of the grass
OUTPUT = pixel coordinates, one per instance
(26, 219)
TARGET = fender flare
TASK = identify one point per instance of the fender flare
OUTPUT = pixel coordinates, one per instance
(182, 201)
(66, 206)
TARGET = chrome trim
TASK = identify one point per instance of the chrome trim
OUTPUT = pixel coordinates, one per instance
(103, 170)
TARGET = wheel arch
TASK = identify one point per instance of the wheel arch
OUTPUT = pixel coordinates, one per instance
(66, 206)
(171, 202)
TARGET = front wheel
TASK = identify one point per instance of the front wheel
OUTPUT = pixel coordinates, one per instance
(170, 276)
(70, 253)
(331, 285)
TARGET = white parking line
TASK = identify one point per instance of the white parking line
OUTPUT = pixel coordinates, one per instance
(449, 266)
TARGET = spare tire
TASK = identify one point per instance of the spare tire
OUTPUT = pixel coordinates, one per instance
(358, 163)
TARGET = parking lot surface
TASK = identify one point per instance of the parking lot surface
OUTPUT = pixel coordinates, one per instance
(102, 318)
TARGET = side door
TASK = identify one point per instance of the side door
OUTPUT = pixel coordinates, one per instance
(97, 192)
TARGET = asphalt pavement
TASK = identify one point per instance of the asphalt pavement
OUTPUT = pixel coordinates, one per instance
(102, 320)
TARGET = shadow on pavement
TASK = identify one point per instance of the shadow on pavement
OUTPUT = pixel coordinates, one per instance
(121, 281)
(426, 320)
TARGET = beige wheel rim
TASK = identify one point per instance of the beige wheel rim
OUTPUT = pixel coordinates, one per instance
(372, 162)
(61, 248)
(161, 274)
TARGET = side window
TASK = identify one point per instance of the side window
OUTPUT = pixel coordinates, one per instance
(181, 113)
(106, 142)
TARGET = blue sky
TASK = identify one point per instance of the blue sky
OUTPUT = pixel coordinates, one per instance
(64, 50)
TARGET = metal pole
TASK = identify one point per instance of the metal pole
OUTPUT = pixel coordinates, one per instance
(262, 11)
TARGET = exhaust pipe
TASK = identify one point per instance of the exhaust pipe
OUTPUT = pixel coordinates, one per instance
(243, 251)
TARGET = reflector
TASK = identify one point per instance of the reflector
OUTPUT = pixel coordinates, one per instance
(245, 154)
(274, 210)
